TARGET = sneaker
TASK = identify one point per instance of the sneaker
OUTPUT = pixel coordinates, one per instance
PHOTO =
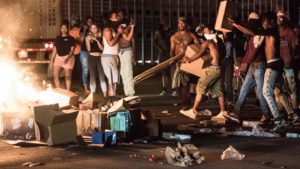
(220, 115)
(279, 124)
(189, 113)
(163, 93)
(174, 93)
(232, 116)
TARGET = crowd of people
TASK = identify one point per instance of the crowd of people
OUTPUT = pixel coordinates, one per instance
(268, 45)
(106, 52)
(269, 48)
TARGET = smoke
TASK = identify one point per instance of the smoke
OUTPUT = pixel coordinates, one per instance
(17, 21)
(16, 88)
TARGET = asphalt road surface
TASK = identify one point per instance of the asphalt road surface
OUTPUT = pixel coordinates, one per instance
(261, 153)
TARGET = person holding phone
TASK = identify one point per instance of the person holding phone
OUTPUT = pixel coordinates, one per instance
(94, 48)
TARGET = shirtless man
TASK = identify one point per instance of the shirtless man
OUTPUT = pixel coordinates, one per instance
(274, 63)
(178, 44)
(210, 77)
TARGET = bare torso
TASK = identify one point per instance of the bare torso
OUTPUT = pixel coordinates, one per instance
(270, 47)
(181, 41)
(214, 53)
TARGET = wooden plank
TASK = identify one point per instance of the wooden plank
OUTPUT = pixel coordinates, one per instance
(226, 9)
(152, 71)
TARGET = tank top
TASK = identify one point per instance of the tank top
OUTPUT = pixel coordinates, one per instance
(110, 50)
(95, 47)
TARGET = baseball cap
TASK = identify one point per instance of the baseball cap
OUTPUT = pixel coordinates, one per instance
(253, 15)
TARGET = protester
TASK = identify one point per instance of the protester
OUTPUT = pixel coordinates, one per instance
(63, 56)
(84, 55)
(179, 43)
(109, 59)
(126, 54)
(95, 47)
(210, 78)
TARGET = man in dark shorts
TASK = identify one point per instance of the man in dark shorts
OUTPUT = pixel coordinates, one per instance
(179, 43)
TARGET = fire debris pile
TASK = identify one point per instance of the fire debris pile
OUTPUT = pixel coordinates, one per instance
(55, 116)
(18, 95)
(110, 120)
(183, 156)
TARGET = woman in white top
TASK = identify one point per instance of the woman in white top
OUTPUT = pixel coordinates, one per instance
(109, 56)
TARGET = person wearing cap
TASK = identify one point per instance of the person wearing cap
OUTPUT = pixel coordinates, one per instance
(178, 44)
(254, 65)
(274, 63)
(288, 43)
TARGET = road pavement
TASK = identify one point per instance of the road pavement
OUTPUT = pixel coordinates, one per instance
(261, 153)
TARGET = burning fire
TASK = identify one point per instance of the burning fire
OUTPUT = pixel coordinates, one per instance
(18, 91)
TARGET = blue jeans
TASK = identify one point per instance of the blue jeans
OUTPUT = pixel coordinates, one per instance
(84, 55)
(268, 90)
(255, 76)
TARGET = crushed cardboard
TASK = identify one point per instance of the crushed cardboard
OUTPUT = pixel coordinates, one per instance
(183, 156)
(232, 154)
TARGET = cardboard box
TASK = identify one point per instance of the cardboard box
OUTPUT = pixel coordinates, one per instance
(195, 66)
(16, 125)
(91, 101)
(88, 120)
(64, 97)
(226, 9)
(121, 105)
(53, 126)
(220, 121)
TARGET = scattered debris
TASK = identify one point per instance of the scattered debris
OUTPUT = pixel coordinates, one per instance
(205, 131)
(120, 105)
(250, 123)
(266, 162)
(28, 136)
(26, 164)
(205, 112)
(178, 137)
(257, 131)
(232, 154)
(165, 112)
(57, 158)
(207, 123)
(292, 135)
(31, 164)
(150, 158)
(183, 156)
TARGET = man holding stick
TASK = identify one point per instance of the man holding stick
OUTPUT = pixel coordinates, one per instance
(210, 78)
